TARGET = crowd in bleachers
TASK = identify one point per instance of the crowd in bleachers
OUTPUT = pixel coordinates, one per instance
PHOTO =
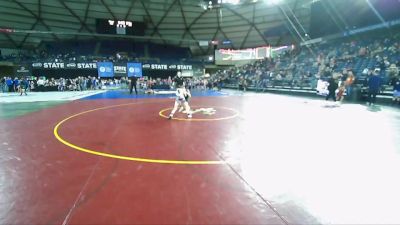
(41, 84)
(303, 67)
(349, 62)
(98, 51)
(45, 56)
(9, 84)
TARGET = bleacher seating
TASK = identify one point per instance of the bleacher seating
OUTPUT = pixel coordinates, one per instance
(300, 68)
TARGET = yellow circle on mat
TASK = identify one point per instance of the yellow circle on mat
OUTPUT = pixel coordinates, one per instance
(147, 160)
(236, 113)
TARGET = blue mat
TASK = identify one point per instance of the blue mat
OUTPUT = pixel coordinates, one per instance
(124, 94)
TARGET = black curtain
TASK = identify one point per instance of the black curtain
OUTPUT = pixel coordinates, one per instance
(163, 74)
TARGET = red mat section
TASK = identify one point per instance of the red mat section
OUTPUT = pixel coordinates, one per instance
(47, 182)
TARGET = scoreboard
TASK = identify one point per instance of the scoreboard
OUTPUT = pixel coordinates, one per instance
(121, 27)
(229, 56)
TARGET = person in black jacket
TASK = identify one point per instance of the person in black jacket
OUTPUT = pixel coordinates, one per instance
(179, 81)
(374, 85)
(395, 82)
(133, 85)
(23, 86)
(332, 89)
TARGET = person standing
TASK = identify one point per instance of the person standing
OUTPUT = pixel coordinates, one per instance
(332, 89)
(132, 85)
(182, 96)
(3, 84)
(89, 83)
(16, 84)
(340, 94)
(180, 101)
(187, 96)
(396, 90)
(349, 83)
(23, 86)
(374, 83)
(9, 83)
(179, 81)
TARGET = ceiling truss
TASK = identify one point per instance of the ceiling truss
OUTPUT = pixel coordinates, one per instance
(244, 25)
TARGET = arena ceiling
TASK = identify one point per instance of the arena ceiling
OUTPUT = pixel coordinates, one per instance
(178, 22)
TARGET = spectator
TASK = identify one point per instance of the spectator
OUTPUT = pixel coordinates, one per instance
(396, 90)
(349, 83)
(15, 84)
(23, 86)
(3, 84)
(10, 84)
(132, 85)
(374, 84)
(332, 89)
(340, 94)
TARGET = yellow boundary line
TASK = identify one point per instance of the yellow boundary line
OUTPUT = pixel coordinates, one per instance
(147, 160)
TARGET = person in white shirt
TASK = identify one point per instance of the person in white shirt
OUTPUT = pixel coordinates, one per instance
(181, 95)
(41, 82)
(187, 97)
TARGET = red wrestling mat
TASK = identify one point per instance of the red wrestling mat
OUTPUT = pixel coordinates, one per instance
(46, 181)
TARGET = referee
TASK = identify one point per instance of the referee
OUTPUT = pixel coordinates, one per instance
(178, 80)
(133, 85)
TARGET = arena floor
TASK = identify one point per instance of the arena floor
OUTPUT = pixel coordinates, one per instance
(113, 158)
